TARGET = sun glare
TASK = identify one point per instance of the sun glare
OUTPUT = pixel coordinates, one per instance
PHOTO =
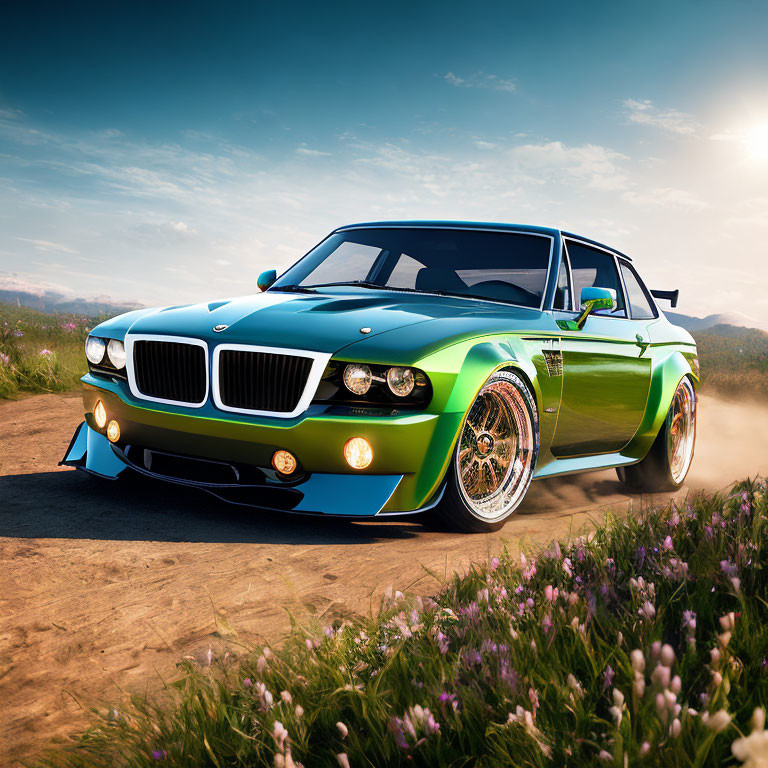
(756, 142)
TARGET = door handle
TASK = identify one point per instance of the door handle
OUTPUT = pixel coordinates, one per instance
(641, 342)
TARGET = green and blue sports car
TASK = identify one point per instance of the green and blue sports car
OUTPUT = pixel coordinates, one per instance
(401, 367)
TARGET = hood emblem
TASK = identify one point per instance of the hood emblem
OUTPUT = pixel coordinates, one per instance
(219, 328)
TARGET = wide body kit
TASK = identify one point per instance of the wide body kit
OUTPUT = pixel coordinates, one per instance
(602, 385)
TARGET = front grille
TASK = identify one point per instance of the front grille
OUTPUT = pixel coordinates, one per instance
(170, 370)
(262, 381)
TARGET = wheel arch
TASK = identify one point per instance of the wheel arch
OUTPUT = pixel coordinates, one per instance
(666, 376)
(480, 362)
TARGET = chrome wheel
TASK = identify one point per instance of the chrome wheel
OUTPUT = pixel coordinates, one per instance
(681, 430)
(496, 450)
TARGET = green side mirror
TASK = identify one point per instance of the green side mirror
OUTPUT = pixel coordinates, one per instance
(594, 298)
(266, 279)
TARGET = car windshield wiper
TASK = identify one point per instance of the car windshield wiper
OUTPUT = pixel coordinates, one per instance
(292, 289)
(356, 283)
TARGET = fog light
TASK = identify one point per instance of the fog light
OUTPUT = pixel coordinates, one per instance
(113, 431)
(284, 462)
(100, 415)
(358, 452)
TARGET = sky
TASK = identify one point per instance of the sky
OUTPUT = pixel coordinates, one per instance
(170, 152)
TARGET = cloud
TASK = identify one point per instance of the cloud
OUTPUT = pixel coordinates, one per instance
(555, 162)
(305, 150)
(47, 245)
(646, 113)
(666, 197)
(481, 80)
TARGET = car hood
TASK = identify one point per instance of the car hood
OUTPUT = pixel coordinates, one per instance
(323, 322)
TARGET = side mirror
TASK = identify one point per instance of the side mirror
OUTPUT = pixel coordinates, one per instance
(266, 279)
(593, 299)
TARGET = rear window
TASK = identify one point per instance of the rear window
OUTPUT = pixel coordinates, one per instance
(640, 305)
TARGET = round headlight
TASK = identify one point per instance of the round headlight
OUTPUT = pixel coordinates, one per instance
(94, 349)
(116, 353)
(357, 378)
(400, 381)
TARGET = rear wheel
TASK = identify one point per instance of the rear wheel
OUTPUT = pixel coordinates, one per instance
(494, 458)
(668, 461)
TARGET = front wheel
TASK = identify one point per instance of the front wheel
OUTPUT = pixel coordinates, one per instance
(667, 463)
(494, 458)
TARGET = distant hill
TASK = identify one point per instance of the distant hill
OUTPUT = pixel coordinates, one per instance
(733, 319)
(53, 301)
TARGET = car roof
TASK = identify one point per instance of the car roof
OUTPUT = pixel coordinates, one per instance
(426, 224)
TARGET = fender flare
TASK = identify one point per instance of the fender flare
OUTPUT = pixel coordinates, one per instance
(666, 375)
(481, 361)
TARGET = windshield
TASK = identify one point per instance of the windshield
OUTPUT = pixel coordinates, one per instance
(500, 266)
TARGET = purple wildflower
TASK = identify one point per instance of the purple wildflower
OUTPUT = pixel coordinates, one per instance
(159, 754)
(18, 334)
(5, 359)
(608, 676)
(45, 353)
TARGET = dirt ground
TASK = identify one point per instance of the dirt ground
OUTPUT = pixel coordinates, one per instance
(103, 589)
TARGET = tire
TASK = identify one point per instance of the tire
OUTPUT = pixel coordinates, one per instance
(665, 466)
(494, 459)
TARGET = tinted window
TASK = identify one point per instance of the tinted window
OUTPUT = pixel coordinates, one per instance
(502, 266)
(591, 267)
(640, 306)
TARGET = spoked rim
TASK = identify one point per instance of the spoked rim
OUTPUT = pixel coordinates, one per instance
(495, 454)
(681, 430)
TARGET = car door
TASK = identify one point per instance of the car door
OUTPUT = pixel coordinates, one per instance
(606, 364)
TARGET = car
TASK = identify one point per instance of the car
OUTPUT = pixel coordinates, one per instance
(400, 368)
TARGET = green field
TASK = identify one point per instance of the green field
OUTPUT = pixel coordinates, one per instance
(645, 644)
(42, 352)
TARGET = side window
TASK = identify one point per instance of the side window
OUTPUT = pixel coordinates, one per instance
(563, 290)
(640, 305)
(591, 267)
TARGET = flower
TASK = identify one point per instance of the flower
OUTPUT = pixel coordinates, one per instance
(343, 730)
(718, 721)
(343, 760)
(247, 682)
(752, 750)
(5, 359)
(159, 754)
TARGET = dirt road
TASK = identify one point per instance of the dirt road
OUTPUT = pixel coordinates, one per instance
(102, 589)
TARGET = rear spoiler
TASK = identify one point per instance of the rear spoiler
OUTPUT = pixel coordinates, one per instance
(671, 295)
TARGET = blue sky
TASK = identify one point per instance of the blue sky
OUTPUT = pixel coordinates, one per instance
(168, 152)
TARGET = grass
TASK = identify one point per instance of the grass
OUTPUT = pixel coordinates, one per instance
(734, 361)
(41, 352)
(644, 644)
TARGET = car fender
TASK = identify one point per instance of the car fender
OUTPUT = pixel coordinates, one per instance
(667, 373)
(477, 361)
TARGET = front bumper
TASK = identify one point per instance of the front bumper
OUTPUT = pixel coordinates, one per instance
(347, 496)
(411, 450)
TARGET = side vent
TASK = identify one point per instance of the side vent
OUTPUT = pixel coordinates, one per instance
(554, 361)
